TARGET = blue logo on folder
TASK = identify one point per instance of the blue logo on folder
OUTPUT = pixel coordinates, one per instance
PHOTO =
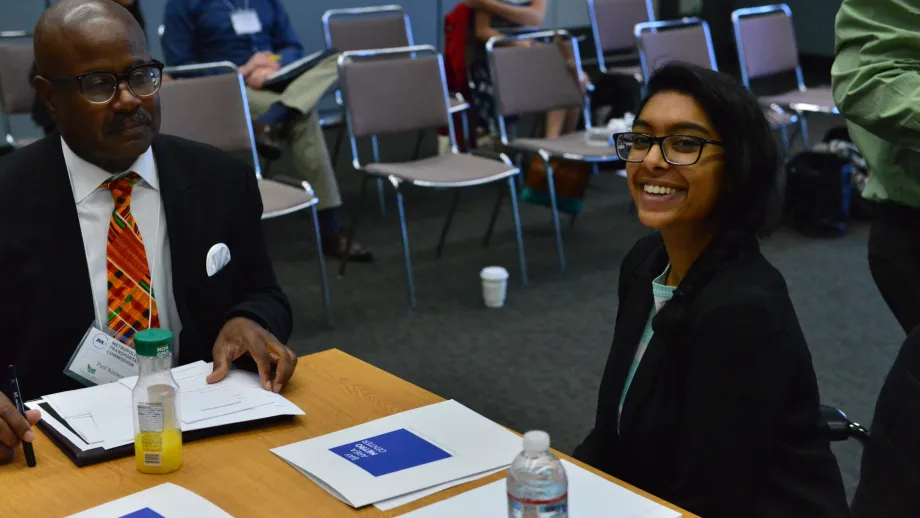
(144, 513)
(391, 452)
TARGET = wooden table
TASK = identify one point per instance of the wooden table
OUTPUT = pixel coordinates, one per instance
(238, 472)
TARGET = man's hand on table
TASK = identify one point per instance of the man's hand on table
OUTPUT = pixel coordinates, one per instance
(240, 336)
(14, 428)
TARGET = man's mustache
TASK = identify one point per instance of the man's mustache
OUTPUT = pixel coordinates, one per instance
(122, 121)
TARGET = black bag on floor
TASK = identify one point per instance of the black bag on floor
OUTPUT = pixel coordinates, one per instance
(819, 190)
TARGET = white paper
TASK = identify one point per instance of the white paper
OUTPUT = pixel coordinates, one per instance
(168, 500)
(589, 496)
(475, 443)
(54, 423)
(400, 501)
(102, 415)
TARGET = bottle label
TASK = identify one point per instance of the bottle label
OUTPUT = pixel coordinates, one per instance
(150, 417)
(555, 508)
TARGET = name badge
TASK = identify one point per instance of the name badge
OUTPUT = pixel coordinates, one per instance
(101, 359)
(246, 21)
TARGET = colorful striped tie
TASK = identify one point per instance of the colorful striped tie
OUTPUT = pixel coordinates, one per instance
(132, 304)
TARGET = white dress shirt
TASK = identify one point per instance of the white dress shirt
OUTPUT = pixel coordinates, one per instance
(94, 208)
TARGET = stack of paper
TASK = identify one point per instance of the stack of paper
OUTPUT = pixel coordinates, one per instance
(163, 501)
(589, 495)
(403, 457)
(102, 415)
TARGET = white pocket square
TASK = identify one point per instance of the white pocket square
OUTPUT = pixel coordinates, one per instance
(218, 257)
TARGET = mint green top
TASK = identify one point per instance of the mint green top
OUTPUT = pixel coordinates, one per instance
(876, 82)
(662, 294)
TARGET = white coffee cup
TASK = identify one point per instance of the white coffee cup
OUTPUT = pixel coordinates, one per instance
(494, 285)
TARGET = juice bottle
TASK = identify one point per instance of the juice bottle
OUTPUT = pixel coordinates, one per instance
(157, 431)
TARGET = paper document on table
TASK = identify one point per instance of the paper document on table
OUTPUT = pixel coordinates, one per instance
(403, 453)
(400, 501)
(101, 416)
(163, 501)
(589, 495)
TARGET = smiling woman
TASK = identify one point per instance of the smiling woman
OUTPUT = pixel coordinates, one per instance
(709, 398)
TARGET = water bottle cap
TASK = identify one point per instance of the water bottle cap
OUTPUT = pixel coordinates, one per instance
(536, 441)
(153, 342)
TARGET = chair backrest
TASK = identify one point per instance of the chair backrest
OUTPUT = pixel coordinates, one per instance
(533, 79)
(766, 43)
(612, 22)
(367, 28)
(16, 94)
(686, 40)
(403, 93)
(210, 109)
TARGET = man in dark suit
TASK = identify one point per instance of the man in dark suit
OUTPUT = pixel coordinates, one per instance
(107, 223)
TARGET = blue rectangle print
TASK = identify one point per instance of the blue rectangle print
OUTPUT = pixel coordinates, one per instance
(143, 513)
(391, 452)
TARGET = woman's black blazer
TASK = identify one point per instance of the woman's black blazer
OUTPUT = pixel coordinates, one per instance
(722, 416)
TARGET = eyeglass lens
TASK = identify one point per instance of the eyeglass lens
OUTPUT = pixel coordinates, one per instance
(101, 87)
(677, 149)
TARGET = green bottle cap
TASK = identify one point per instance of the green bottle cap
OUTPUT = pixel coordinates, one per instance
(153, 342)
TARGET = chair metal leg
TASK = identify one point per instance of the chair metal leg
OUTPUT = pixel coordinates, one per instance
(803, 128)
(356, 218)
(555, 207)
(512, 188)
(467, 137)
(327, 301)
(382, 196)
(495, 210)
(418, 145)
(450, 220)
(337, 147)
(405, 242)
(784, 141)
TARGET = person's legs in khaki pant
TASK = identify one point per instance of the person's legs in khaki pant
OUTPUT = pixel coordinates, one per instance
(307, 145)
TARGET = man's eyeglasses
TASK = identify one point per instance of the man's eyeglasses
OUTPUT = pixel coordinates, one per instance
(680, 150)
(100, 87)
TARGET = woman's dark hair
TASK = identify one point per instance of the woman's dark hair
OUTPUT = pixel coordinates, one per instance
(751, 155)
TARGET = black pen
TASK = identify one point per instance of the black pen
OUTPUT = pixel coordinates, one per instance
(17, 400)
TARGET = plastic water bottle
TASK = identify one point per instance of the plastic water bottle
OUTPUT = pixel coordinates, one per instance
(537, 485)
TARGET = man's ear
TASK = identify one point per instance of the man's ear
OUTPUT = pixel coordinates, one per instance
(45, 91)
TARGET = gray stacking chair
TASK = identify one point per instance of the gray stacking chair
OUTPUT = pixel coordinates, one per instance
(16, 94)
(765, 38)
(612, 23)
(537, 79)
(690, 41)
(376, 28)
(391, 91)
(213, 110)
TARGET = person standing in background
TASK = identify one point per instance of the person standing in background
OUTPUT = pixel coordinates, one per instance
(39, 113)
(876, 83)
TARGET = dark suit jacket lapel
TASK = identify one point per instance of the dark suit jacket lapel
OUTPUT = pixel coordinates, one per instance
(640, 304)
(179, 196)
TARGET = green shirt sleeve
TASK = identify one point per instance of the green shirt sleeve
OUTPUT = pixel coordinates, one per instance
(876, 75)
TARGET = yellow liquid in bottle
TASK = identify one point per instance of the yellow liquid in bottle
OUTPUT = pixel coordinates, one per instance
(158, 453)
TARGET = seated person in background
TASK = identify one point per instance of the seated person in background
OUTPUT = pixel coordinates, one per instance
(493, 16)
(40, 114)
(257, 36)
(709, 398)
(109, 224)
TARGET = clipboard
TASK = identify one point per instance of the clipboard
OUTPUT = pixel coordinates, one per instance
(96, 455)
(280, 80)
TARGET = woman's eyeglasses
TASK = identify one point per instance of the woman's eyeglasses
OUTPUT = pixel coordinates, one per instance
(100, 87)
(680, 150)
